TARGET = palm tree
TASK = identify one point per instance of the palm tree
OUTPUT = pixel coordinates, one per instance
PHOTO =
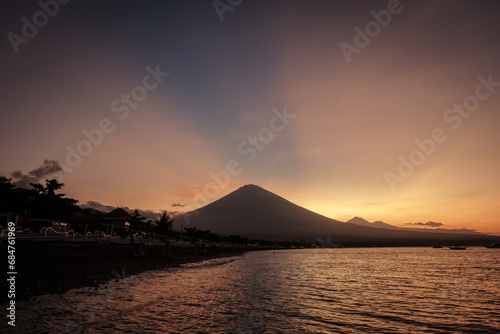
(137, 221)
(164, 225)
(51, 205)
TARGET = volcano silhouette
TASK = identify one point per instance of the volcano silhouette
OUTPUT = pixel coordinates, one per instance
(255, 212)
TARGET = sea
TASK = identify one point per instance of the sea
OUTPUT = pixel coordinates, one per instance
(342, 290)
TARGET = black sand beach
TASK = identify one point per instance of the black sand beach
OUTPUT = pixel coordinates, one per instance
(57, 268)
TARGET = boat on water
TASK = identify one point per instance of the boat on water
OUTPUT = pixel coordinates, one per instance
(457, 247)
(494, 245)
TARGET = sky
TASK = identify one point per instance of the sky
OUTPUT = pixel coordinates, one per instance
(388, 110)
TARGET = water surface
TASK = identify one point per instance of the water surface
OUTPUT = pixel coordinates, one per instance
(370, 290)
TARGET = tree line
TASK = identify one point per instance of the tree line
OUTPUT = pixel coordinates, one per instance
(45, 202)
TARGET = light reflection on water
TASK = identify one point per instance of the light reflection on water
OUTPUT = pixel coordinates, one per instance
(376, 290)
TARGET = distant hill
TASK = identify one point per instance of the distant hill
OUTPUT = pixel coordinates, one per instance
(376, 224)
(257, 213)
(379, 224)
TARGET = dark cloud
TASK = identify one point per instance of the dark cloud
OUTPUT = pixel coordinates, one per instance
(97, 206)
(179, 205)
(48, 167)
(24, 181)
(429, 223)
(16, 174)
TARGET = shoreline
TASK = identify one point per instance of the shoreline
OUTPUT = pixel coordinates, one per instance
(57, 268)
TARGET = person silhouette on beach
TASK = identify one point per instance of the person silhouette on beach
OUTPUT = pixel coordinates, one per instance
(168, 247)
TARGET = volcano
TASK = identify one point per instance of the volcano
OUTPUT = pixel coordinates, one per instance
(254, 212)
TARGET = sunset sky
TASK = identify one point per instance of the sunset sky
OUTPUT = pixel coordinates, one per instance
(335, 100)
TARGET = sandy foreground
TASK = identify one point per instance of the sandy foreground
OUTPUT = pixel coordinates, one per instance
(57, 268)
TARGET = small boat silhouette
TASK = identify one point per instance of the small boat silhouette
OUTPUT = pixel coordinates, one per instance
(458, 247)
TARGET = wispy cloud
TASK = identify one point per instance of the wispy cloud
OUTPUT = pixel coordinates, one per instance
(429, 223)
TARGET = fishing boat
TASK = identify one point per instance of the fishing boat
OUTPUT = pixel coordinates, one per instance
(494, 245)
(457, 247)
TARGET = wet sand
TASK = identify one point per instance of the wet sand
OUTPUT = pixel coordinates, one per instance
(57, 268)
